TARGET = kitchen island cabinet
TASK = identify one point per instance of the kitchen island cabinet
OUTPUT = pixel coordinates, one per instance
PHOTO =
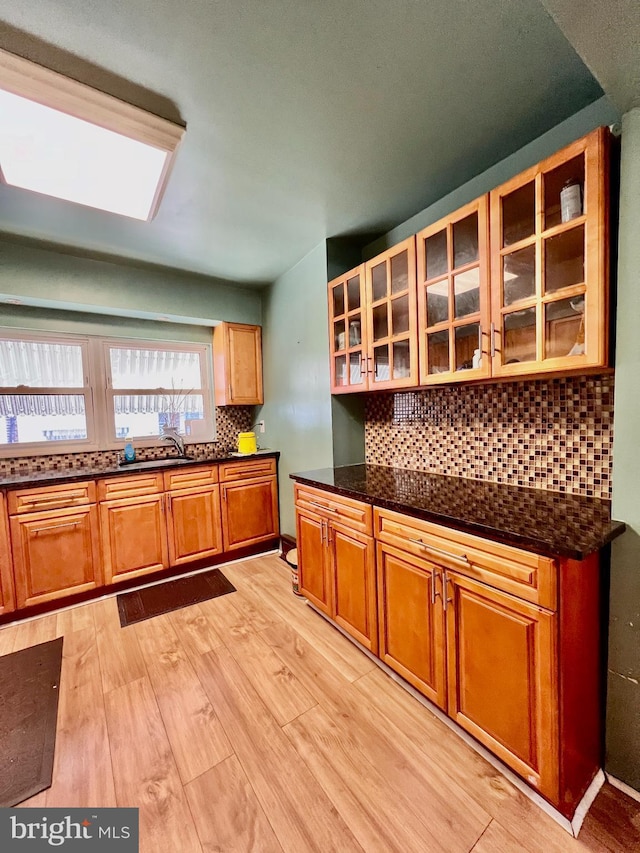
(505, 640)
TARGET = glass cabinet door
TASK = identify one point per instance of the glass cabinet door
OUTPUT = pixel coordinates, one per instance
(347, 334)
(549, 277)
(392, 359)
(453, 296)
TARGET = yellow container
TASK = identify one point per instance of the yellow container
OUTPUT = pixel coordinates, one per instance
(247, 442)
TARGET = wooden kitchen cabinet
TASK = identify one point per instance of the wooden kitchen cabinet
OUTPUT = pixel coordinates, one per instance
(514, 284)
(454, 301)
(336, 561)
(133, 530)
(249, 500)
(237, 365)
(502, 677)
(391, 318)
(7, 592)
(550, 260)
(54, 542)
(348, 332)
(194, 526)
(411, 621)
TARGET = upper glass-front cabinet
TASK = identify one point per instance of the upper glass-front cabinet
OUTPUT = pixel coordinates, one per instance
(549, 263)
(347, 332)
(392, 351)
(453, 296)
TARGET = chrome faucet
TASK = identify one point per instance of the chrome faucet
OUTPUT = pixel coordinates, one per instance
(175, 438)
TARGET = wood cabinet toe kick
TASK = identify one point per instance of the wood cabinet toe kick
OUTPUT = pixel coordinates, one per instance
(505, 641)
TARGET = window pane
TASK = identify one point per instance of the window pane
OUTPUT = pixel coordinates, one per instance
(438, 303)
(379, 282)
(519, 275)
(564, 259)
(154, 368)
(41, 364)
(465, 241)
(519, 214)
(42, 417)
(435, 248)
(438, 352)
(519, 336)
(400, 273)
(466, 293)
(140, 415)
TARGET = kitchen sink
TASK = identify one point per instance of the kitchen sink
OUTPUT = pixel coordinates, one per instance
(156, 463)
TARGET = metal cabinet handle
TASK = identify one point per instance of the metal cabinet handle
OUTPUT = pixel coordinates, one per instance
(325, 508)
(480, 339)
(37, 530)
(445, 595)
(461, 558)
(493, 340)
(434, 591)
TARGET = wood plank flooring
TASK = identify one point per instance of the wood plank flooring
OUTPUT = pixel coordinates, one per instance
(247, 723)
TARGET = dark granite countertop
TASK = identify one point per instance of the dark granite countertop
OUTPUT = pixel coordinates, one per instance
(68, 475)
(551, 523)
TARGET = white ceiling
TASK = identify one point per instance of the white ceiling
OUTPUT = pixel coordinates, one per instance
(305, 118)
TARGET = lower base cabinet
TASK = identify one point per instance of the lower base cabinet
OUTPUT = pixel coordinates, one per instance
(194, 529)
(134, 538)
(411, 619)
(249, 502)
(506, 642)
(7, 593)
(502, 676)
(55, 554)
(336, 559)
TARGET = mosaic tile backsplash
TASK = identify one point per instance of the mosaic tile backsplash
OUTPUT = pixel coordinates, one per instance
(229, 422)
(553, 434)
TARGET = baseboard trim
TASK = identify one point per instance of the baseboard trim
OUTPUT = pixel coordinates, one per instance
(570, 826)
(622, 786)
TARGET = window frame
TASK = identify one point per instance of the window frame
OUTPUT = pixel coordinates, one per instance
(100, 418)
(107, 420)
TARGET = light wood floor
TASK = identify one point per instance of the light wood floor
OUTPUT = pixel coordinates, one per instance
(247, 723)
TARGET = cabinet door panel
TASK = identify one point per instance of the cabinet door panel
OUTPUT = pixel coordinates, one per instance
(502, 683)
(353, 560)
(249, 512)
(195, 529)
(411, 625)
(134, 540)
(54, 554)
(7, 594)
(312, 563)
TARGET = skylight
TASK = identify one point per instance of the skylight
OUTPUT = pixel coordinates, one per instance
(63, 139)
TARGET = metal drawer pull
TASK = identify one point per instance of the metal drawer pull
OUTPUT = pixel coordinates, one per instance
(55, 527)
(462, 558)
(322, 506)
(434, 591)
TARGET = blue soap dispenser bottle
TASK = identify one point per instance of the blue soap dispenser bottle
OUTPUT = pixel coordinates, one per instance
(129, 452)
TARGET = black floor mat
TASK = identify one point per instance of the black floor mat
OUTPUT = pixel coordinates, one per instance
(29, 689)
(172, 595)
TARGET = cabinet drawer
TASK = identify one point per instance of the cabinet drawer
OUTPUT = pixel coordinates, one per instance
(355, 514)
(42, 498)
(134, 486)
(229, 471)
(189, 478)
(521, 573)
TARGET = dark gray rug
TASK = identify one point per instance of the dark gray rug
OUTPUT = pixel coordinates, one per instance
(29, 689)
(172, 595)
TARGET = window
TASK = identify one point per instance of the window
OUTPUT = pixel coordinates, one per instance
(149, 388)
(44, 392)
(65, 393)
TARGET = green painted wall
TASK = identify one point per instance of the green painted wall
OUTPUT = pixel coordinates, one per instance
(297, 409)
(599, 113)
(623, 699)
(57, 279)
(79, 323)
